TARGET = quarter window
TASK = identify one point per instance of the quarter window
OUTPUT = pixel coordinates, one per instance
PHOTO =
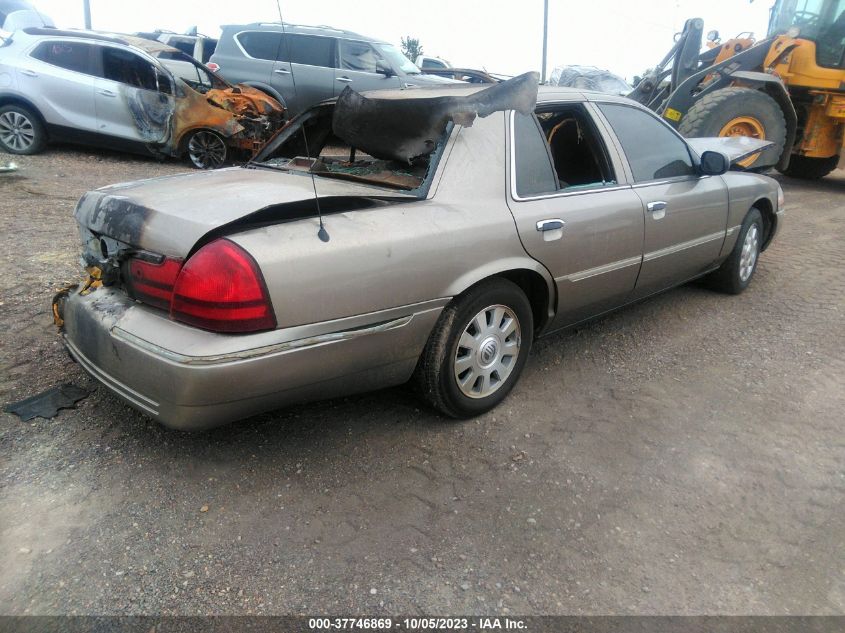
(654, 151)
(68, 55)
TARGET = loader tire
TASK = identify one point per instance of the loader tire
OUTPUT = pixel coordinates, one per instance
(739, 112)
(810, 168)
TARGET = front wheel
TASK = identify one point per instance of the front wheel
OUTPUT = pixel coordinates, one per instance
(477, 350)
(735, 273)
(207, 150)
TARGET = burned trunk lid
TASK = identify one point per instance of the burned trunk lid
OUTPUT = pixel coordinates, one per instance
(169, 215)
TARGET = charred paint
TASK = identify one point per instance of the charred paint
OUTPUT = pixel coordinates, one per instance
(403, 129)
(114, 216)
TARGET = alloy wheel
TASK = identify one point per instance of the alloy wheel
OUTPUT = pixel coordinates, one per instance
(487, 351)
(16, 131)
(748, 256)
(207, 150)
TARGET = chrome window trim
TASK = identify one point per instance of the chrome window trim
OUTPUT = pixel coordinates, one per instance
(682, 246)
(562, 193)
(601, 270)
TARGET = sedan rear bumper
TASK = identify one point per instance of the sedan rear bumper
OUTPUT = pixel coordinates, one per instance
(191, 379)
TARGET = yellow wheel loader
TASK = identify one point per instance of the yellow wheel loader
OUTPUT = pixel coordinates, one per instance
(788, 88)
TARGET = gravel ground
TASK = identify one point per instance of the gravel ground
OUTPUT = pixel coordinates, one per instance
(682, 456)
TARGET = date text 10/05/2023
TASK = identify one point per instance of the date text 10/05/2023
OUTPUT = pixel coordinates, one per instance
(479, 623)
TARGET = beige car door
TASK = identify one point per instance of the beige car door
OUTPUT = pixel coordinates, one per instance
(571, 210)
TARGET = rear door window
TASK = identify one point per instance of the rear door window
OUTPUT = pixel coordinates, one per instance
(309, 50)
(654, 151)
(261, 44)
(73, 56)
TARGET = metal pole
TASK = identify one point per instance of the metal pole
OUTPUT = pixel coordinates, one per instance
(86, 6)
(545, 37)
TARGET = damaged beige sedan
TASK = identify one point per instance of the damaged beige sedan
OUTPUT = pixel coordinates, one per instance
(426, 235)
(125, 93)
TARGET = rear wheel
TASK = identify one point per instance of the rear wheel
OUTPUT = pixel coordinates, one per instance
(207, 150)
(735, 273)
(21, 131)
(477, 350)
(739, 112)
(810, 168)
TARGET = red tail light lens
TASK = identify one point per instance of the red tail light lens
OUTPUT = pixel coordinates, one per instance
(220, 288)
(152, 282)
(212, 67)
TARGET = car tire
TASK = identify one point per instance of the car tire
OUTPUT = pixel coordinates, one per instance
(21, 131)
(808, 168)
(739, 111)
(477, 350)
(207, 149)
(736, 272)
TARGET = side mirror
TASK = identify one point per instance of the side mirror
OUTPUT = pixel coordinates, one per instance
(384, 69)
(714, 163)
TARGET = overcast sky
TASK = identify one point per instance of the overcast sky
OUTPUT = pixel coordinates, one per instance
(625, 37)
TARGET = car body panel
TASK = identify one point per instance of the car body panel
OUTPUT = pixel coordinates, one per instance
(88, 107)
(355, 308)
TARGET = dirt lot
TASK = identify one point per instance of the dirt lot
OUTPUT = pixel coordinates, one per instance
(682, 456)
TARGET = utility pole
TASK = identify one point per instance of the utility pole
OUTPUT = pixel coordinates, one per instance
(86, 7)
(545, 37)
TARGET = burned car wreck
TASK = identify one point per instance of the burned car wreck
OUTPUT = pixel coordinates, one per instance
(347, 258)
(125, 93)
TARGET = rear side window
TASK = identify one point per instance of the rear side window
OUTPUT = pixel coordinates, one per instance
(358, 56)
(128, 68)
(309, 50)
(261, 44)
(534, 172)
(68, 55)
(653, 150)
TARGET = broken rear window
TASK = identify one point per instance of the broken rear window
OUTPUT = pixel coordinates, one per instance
(327, 156)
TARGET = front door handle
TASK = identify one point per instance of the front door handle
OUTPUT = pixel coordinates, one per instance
(282, 71)
(345, 80)
(107, 93)
(29, 73)
(657, 205)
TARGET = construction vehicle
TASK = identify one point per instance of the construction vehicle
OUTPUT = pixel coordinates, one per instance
(788, 88)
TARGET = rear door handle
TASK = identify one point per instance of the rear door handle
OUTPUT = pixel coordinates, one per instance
(107, 93)
(345, 80)
(657, 205)
(550, 225)
(282, 71)
(29, 73)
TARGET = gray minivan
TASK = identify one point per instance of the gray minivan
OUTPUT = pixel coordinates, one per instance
(302, 65)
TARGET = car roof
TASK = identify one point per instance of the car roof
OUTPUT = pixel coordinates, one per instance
(545, 94)
(302, 29)
(148, 46)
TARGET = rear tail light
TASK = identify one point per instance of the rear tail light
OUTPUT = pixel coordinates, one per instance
(220, 288)
(152, 282)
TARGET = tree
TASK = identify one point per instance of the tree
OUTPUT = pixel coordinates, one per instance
(411, 47)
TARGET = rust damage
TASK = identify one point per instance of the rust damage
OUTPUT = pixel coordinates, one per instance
(190, 98)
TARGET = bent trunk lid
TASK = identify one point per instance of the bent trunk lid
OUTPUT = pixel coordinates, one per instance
(169, 215)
